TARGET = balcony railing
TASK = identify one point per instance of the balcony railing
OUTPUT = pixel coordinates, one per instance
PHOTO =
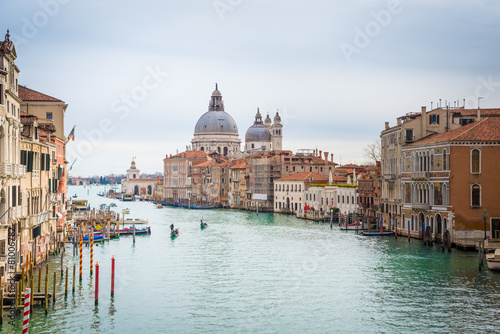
(420, 176)
(420, 206)
(12, 170)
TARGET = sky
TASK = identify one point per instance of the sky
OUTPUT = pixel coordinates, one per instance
(137, 75)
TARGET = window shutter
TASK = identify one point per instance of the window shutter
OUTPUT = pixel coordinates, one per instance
(437, 119)
(30, 162)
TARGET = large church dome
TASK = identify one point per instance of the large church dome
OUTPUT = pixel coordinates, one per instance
(216, 120)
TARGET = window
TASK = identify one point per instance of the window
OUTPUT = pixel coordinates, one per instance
(49, 116)
(445, 160)
(1, 95)
(409, 135)
(476, 161)
(476, 196)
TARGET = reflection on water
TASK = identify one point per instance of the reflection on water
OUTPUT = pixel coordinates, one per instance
(268, 273)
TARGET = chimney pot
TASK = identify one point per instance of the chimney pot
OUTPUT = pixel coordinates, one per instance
(386, 125)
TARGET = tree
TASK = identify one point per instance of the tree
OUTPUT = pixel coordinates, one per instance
(373, 152)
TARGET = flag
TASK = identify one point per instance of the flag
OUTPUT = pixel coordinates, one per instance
(71, 167)
(72, 134)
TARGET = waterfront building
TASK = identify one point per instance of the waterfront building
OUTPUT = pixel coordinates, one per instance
(450, 180)
(49, 113)
(289, 191)
(237, 184)
(369, 190)
(39, 190)
(410, 128)
(216, 130)
(11, 169)
(178, 174)
(141, 188)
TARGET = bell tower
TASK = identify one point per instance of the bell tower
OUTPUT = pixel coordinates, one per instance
(276, 134)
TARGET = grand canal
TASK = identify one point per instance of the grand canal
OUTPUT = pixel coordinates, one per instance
(266, 273)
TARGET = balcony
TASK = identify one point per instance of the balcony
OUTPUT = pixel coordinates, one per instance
(389, 177)
(421, 206)
(420, 176)
(12, 170)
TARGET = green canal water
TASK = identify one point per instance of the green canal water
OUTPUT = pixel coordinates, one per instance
(266, 273)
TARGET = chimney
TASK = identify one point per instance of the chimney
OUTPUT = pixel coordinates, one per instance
(319, 155)
(386, 125)
(423, 121)
(326, 157)
(399, 121)
(332, 157)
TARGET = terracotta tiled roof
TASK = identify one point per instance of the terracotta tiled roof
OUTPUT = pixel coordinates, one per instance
(304, 176)
(239, 166)
(487, 129)
(204, 164)
(189, 155)
(27, 94)
(488, 112)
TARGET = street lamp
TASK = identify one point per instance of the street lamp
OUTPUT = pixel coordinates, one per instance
(485, 216)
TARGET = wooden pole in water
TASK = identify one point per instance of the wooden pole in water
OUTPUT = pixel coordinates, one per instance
(113, 276)
(39, 277)
(47, 289)
(74, 276)
(62, 261)
(32, 285)
(1, 298)
(96, 282)
(133, 232)
(54, 290)
(66, 284)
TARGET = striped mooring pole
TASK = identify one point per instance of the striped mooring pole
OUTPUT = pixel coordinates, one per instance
(26, 316)
(97, 282)
(81, 256)
(91, 252)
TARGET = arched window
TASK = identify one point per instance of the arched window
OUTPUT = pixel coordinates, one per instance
(476, 161)
(225, 151)
(445, 161)
(476, 196)
(150, 190)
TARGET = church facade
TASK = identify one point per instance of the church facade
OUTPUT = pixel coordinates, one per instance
(216, 131)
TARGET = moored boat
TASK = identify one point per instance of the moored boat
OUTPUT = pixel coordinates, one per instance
(353, 226)
(377, 234)
(130, 231)
(137, 221)
(493, 260)
(159, 206)
(97, 237)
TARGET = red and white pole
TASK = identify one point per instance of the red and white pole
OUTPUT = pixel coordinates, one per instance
(81, 256)
(113, 276)
(91, 252)
(96, 282)
(26, 316)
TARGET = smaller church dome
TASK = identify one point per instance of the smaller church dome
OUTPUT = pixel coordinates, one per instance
(268, 121)
(258, 132)
(277, 118)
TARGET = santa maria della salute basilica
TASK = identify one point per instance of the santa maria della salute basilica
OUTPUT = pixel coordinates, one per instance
(216, 131)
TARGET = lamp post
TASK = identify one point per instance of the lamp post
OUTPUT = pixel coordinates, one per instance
(485, 216)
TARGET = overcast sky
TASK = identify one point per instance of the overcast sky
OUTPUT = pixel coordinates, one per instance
(137, 75)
